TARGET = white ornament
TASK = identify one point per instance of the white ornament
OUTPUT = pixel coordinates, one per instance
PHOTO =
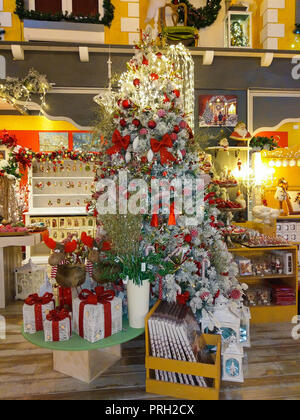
(150, 156)
(128, 157)
(179, 154)
(135, 143)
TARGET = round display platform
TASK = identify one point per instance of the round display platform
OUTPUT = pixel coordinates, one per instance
(77, 343)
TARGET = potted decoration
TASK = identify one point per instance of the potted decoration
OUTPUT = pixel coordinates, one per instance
(263, 143)
(138, 268)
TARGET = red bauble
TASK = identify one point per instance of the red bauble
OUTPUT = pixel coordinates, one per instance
(176, 129)
(136, 82)
(144, 159)
(152, 124)
(136, 122)
(126, 104)
(123, 123)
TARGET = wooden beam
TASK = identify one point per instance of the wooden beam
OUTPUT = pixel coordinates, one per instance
(267, 59)
(84, 54)
(208, 58)
(17, 52)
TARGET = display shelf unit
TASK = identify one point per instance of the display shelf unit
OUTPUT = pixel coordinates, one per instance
(58, 194)
(271, 313)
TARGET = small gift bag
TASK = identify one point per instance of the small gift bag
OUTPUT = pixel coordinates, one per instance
(97, 315)
(58, 326)
(35, 310)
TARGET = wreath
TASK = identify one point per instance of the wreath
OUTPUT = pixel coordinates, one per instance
(202, 17)
(105, 20)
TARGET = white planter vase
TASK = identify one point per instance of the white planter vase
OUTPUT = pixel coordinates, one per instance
(138, 303)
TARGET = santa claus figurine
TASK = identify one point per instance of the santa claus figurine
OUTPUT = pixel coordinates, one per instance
(240, 132)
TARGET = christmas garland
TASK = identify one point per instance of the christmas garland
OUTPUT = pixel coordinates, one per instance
(202, 17)
(106, 20)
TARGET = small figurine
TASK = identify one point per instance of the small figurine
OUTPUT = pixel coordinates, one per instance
(240, 199)
(240, 132)
(282, 195)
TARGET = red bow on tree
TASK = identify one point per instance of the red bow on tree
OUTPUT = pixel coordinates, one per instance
(119, 143)
(160, 146)
(183, 298)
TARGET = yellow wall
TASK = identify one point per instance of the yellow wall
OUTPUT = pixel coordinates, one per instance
(15, 33)
(287, 16)
(113, 35)
(33, 122)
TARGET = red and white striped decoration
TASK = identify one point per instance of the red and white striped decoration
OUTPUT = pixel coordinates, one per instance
(53, 272)
(89, 267)
(160, 293)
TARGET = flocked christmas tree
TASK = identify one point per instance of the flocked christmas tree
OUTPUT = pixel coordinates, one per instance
(152, 139)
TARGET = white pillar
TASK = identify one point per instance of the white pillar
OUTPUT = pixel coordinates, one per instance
(100, 8)
(66, 5)
(31, 4)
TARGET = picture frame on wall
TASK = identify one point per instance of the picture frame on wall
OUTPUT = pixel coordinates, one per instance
(3, 155)
(218, 110)
(53, 141)
(294, 200)
(84, 142)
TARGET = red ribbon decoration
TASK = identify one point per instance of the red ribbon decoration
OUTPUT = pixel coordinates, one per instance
(105, 297)
(183, 298)
(65, 297)
(160, 146)
(119, 143)
(55, 317)
(37, 301)
(100, 296)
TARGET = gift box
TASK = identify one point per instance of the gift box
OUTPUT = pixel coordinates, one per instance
(58, 325)
(97, 315)
(35, 310)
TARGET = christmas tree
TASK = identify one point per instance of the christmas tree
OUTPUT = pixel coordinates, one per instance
(152, 140)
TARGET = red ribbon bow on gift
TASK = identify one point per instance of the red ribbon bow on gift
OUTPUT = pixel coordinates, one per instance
(55, 317)
(37, 301)
(119, 143)
(183, 298)
(104, 296)
(160, 146)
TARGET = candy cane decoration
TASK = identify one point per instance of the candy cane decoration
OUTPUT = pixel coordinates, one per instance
(54, 272)
(89, 267)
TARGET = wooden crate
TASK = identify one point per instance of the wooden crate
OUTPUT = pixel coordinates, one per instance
(183, 391)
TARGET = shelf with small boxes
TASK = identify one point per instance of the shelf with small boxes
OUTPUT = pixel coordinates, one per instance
(58, 195)
(271, 274)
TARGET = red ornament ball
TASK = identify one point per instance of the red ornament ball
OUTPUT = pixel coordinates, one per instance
(152, 124)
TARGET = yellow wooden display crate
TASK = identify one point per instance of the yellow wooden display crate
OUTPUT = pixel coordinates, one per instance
(183, 391)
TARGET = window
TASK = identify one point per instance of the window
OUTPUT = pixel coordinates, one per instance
(85, 8)
(48, 6)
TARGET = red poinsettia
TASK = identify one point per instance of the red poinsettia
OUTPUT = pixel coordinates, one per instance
(188, 238)
(176, 129)
(183, 298)
(145, 61)
(154, 76)
(235, 294)
(176, 93)
(8, 140)
(123, 123)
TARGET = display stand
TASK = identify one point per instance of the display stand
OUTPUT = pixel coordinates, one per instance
(83, 360)
(10, 258)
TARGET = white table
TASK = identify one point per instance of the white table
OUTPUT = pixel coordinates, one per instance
(10, 259)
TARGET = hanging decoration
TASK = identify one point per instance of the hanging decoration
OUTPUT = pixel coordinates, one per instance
(105, 20)
(201, 17)
(14, 90)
